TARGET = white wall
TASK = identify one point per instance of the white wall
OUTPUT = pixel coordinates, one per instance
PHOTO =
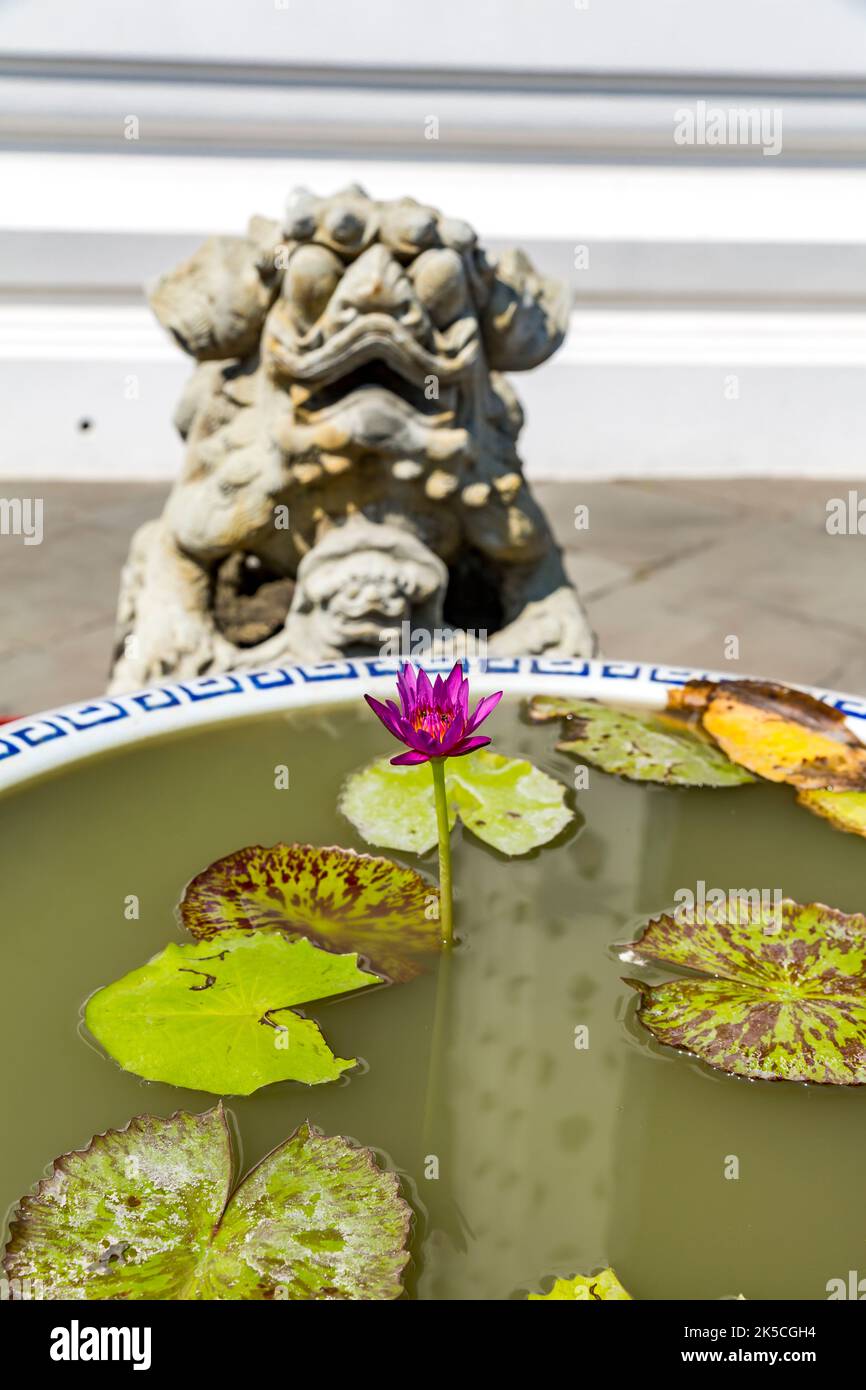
(720, 326)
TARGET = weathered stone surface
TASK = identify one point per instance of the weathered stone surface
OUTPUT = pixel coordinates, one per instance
(350, 442)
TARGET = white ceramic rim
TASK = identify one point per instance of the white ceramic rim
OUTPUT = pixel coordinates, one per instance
(38, 744)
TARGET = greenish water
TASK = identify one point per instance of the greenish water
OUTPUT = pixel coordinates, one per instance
(551, 1159)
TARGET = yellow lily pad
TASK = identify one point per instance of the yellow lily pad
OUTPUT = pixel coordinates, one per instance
(780, 734)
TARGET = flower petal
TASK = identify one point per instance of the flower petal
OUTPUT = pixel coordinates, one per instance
(423, 688)
(454, 681)
(389, 717)
(410, 758)
(468, 745)
(440, 695)
(406, 687)
(425, 743)
(452, 736)
(482, 709)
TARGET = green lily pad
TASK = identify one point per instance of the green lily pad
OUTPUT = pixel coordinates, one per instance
(339, 900)
(593, 1288)
(641, 747)
(218, 1016)
(844, 810)
(777, 1000)
(148, 1212)
(506, 802)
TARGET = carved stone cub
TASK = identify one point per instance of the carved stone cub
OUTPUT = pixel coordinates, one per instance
(351, 462)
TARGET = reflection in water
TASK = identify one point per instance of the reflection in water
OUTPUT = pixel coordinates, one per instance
(530, 1108)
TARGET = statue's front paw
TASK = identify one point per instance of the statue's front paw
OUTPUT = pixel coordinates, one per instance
(555, 626)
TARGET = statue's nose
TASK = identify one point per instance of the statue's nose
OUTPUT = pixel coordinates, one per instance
(369, 595)
(376, 283)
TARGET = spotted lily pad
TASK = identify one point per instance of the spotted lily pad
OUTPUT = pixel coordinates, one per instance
(337, 899)
(845, 810)
(642, 747)
(506, 802)
(781, 734)
(593, 1288)
(778, 999)
(148, 1212)
(218, 1016)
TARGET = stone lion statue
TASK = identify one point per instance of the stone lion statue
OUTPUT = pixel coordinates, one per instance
(351, 472)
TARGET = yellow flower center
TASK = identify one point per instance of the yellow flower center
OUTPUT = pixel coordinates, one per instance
(433, 721)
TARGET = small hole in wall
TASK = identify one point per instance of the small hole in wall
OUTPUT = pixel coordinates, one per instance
(84, 424)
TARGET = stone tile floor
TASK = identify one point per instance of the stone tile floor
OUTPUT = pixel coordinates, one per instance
(669, 571)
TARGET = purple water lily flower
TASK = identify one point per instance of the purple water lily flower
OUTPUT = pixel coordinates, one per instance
(434, 721)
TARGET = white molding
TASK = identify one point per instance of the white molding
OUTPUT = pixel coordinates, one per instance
(102, 266)
(101, 225)
(731, 339)
(128, 333)
(192, 195)
(631, 394)
(83, 333)
(61, 112)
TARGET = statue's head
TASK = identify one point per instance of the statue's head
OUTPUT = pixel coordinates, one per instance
(379, 321)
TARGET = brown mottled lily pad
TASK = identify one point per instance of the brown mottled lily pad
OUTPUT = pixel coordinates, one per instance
(778, 733)
(776, 998)
(339, 900)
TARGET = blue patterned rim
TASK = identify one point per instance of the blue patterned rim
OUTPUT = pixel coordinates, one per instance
(34, 745)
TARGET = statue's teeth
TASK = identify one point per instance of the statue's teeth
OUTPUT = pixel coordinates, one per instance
(335, 463)
(440, 484)
(407, 470)
(476, 494)
(307, 473)
(508, 485)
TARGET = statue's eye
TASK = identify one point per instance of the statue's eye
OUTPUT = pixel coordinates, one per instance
(313, 274)
(440, 283)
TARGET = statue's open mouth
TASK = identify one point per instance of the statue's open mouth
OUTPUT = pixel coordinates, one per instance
(375, 338)
(371, 628)
(377, 376)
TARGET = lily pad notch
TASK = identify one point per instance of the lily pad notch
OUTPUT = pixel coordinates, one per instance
(151, 1212)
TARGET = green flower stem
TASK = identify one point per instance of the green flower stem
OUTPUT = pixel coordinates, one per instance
(446, 903)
